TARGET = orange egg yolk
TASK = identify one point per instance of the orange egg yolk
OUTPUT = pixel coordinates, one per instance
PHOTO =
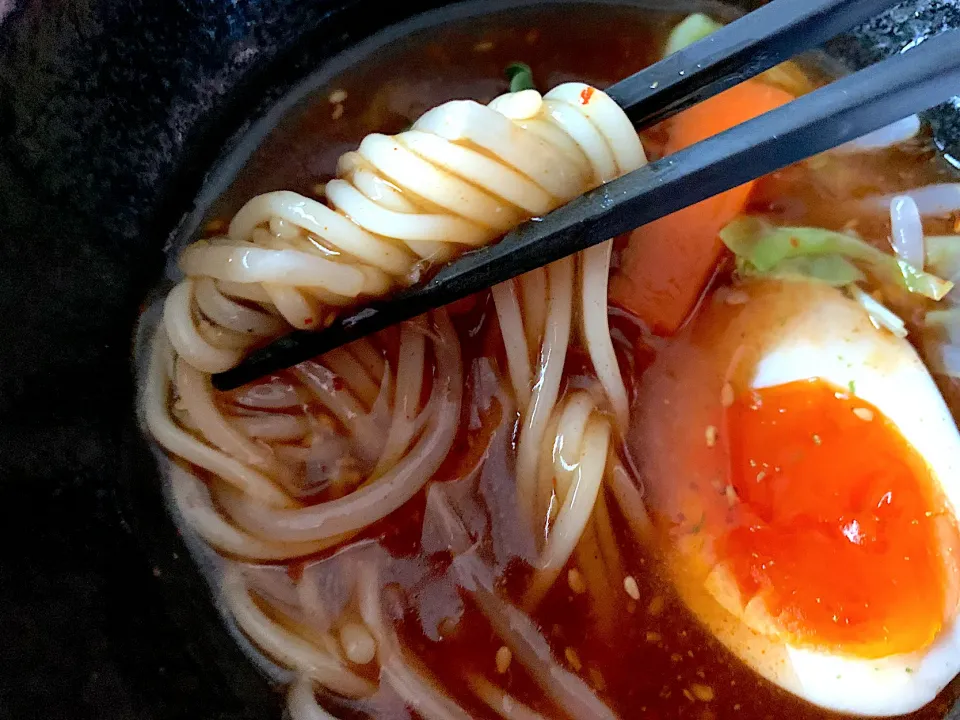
(836, 524)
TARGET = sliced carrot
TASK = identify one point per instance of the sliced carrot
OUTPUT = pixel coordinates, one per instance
(667, 264)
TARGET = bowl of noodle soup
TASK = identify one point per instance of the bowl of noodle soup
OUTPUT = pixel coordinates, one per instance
(544, 500)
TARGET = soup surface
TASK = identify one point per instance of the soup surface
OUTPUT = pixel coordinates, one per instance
(612, 615)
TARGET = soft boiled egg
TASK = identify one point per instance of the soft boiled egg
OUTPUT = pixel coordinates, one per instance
(804, 469)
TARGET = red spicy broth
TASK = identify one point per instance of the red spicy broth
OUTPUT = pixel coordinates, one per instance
(653, 660)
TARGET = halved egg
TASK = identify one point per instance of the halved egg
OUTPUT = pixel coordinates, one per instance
(804, 469)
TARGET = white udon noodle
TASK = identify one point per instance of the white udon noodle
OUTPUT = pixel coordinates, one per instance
(462, 176)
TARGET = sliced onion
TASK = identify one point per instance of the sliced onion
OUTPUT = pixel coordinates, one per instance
(941, 199)
(907, 230)
(892, 134)
(944, 359)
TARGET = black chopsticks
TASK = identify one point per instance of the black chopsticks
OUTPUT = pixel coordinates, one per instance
(736, 52)
(830, 116)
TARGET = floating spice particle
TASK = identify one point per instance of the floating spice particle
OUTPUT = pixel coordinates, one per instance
(653, 637)
(656, 605)
(726, 395)
(864, 414)
(337, 96)
(688, 694)
(817, 440)
(630, 585)
(703, 693)
(573, 659)
(337, 112)
(483, 46)
(736, 706)
(502, 659)
(676, 657)
(699, 526)
(576, 582)
(711, 435)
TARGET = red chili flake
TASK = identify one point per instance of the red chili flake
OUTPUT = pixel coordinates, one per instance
(585, 95)
(337, 384)
(295, 571)
(794, 242)
(308, 321)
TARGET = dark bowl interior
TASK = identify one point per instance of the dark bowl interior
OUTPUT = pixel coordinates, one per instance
(111, 115)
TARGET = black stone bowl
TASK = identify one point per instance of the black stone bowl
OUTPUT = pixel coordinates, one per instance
(110, 114)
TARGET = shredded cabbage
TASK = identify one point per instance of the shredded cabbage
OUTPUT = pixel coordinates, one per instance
(762, 248)
(880, 314)
(834, 270)
(687, 32)
(943, 255)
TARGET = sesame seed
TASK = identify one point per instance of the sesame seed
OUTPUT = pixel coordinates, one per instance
(736, 297)
(711, 435)
(731, 495)
(576, 582)
(571, 655)
(357, 643)
(337, 112)
(864, 414)
(703, 693)
(726, 395)
(337, 97)
(483, 46)
(630, 585)
(653, 637)
(502, 659)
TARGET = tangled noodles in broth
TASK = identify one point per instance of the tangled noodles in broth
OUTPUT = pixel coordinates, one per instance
(518, 506)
